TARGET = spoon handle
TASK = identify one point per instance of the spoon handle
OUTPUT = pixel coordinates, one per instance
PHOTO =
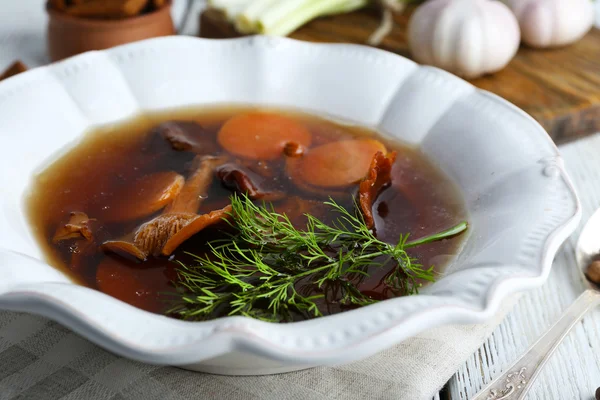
(519, 377)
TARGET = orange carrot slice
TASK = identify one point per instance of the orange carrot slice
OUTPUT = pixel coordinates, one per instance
(335, 164)
(119, 282)
(124, 280)
(146, 196)
(261, 135)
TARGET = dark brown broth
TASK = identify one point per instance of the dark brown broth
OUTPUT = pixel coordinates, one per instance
(88, 178)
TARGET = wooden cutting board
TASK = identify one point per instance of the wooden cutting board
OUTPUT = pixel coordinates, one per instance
(560, 88)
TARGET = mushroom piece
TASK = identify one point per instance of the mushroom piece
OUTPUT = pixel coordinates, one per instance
(193, 226)
(79, 226)
(186, 136)
(242, 180)
(84, 234)
(196, 186)
(261, 135)
(378, 178)
(179, 221)
(293, 149)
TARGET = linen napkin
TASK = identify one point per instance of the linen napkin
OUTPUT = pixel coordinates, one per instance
(40, 359)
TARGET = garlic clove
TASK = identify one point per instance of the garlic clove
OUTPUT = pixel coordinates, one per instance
(420, 32)
(469, 38)
(552, 23)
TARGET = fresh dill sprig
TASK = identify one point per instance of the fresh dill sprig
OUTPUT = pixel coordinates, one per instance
(261, 270)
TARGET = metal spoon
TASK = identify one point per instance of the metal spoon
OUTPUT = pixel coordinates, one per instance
(518, 378)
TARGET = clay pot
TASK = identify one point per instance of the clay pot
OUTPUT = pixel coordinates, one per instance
(68, 35)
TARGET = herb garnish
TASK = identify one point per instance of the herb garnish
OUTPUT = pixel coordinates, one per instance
(256, 271)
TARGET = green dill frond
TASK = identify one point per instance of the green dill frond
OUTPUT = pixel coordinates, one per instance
(256, 272)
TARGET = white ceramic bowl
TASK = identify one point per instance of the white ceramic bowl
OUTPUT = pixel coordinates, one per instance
(520, 201)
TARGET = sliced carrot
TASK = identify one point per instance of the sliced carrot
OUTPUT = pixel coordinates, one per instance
(261, 135)
(119, 282)
(146, 196)
(124, 280)
(292, 166)
(335, 164)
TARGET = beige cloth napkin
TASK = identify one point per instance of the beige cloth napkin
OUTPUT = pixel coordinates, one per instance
(40, 359)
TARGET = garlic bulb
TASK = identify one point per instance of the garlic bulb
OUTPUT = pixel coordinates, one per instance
(551, 23)
(469, 38)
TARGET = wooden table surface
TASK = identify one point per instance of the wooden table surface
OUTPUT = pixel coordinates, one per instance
(574, 371)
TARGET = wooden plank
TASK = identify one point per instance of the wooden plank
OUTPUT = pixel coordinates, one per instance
(560, 88)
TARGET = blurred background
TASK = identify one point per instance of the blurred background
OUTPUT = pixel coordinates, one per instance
(24, 32)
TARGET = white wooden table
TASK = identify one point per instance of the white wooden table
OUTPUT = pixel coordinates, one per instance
(572, 374)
